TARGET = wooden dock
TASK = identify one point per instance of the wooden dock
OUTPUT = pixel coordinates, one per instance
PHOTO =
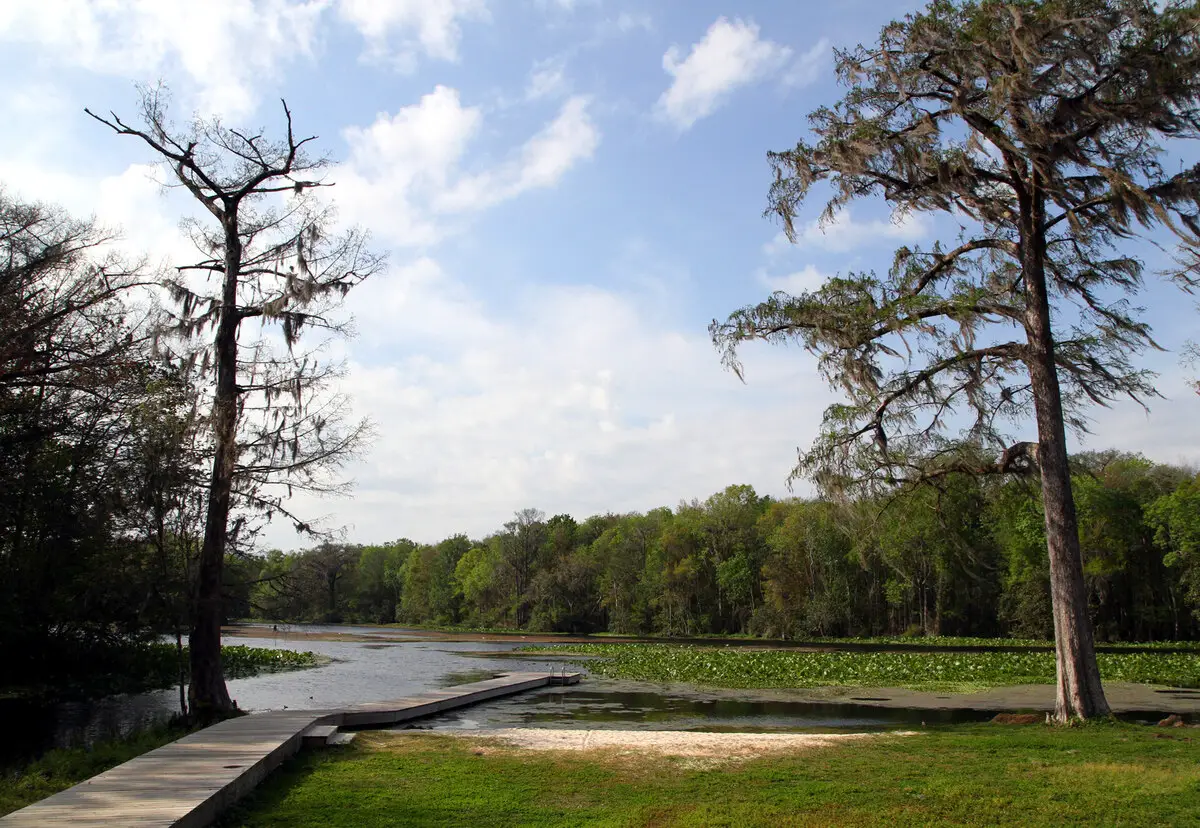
(189, 782)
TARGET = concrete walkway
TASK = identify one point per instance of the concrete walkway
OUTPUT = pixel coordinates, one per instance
(189, 782)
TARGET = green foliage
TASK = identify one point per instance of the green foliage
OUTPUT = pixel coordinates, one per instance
(475, 579)
(967, 110)
(947, 671)
(242, 662)
(61, 768)
(93, 445)
(966, 557)
(134, 666)
(1175, 519)
(812, 584)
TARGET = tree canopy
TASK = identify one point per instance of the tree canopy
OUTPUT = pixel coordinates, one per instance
(1041, 130)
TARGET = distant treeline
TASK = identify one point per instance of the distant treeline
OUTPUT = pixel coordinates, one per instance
(965, 558)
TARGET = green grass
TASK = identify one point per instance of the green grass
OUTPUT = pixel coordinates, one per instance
(62, 768)
(945, 671)
(976, 775)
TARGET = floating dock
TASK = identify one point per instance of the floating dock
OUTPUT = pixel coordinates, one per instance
(188, 783)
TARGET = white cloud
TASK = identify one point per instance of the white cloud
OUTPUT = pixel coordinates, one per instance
(806, 279)
(404, 176)
(223, 48)
(565, 5)
(629, 21)
(547, 80)
(624, 23)
(807, 67)
(402, 29)
(1165, 434)
(581, 402)
(569, 138)
(418, 304)
(844, 234)
(131, 203)
(396, 162)
(729, 56)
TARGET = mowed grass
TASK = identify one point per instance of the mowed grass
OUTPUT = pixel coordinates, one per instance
(945, 671)
(1105, 774)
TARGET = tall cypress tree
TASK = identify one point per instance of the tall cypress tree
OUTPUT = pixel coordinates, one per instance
(1039, 127)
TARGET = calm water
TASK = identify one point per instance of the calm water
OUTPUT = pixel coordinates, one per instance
(600, 704)
(361, 672)
(377, 668)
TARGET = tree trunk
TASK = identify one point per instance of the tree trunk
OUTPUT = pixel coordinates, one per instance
(1080, 692)
(179, 663)
(207, 692)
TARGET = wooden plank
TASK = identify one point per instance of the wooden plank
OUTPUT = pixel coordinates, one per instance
(189, 782)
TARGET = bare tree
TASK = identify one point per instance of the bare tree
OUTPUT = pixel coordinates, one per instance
(521, 544)
(1039, 127)
(276, 423)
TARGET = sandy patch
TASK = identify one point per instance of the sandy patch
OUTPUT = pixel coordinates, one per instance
(674, 742)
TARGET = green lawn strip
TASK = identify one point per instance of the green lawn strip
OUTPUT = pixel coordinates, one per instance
(945, 671)
(60, 769)
(970, 774)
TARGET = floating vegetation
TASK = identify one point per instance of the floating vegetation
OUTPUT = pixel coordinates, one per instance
(946, 671)
(156, 664)
(934, 641)
(241, 661)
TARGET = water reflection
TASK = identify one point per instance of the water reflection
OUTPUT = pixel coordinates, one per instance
(372, 664)
(602, 704)
(359, 672)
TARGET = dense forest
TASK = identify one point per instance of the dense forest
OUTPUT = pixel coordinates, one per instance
(965, 558)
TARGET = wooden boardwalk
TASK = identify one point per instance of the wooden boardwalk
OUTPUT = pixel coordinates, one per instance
(189, 782)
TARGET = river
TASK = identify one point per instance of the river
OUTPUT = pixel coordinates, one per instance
(373, 664)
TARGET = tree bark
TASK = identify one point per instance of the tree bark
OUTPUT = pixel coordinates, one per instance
(207, 693)
(1079, 692)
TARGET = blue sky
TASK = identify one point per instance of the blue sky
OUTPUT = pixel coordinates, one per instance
(569, 191)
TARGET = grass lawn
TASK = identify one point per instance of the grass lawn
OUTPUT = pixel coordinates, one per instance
(1102, 774)
(947, 671)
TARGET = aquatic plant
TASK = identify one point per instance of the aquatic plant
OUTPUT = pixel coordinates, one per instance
(948, 671)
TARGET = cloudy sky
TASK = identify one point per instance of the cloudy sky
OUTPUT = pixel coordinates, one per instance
(568, 190)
